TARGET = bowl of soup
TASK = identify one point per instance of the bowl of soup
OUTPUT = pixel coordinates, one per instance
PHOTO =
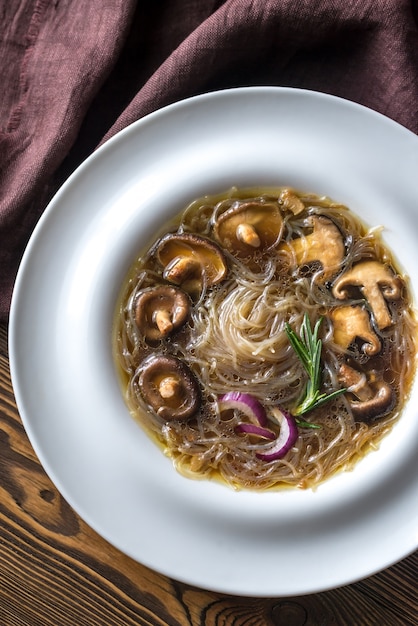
(204, 339)
(220, 311)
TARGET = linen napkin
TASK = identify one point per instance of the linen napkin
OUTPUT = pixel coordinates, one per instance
(73, 73)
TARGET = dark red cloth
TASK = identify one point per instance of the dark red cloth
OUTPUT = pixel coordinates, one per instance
(73, 73)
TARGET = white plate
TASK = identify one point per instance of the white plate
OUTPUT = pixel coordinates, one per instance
(200, 532)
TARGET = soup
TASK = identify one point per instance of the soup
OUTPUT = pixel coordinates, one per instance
(266, 338)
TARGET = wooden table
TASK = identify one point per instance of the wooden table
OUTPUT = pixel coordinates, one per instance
(56, 571)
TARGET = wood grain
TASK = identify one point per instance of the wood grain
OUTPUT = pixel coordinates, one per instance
(56, 571)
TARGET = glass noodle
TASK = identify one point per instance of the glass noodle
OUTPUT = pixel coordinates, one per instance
(234, 340)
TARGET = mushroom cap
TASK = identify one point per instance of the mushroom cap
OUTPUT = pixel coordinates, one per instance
(351, 323)
(325, 244)
(249, 226)
(374, 398)
(191, 261)
(161, 310)
(381, 404)
(377, 282)
(169, 387)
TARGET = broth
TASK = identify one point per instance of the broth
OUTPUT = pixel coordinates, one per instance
(246, 269)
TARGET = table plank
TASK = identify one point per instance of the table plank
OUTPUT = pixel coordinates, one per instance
(55, 570)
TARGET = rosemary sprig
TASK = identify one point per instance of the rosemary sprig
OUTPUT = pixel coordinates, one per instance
(304, 424)
(308, 348)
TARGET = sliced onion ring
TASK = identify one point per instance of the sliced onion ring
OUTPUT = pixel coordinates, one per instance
(246, 403)
(253, 429)
(286, 439)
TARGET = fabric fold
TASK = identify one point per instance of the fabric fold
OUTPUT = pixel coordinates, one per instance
(54, 57)
(73, 74)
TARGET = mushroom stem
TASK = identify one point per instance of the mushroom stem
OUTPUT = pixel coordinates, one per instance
(248, 234)
(168, 387)
(162, 319)
(180, 269)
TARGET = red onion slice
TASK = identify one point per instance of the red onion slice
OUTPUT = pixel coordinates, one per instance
(286, 439)
(253, 429)
(247, 404)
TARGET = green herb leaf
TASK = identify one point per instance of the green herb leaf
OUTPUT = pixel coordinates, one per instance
(303, 424)
(308, 348)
